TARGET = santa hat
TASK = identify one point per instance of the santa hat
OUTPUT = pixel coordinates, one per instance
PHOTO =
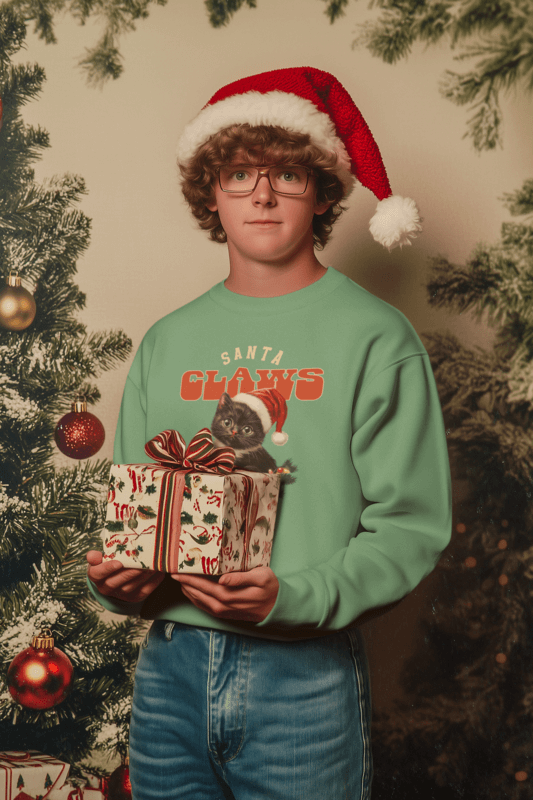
(270, 407)
(313, 102)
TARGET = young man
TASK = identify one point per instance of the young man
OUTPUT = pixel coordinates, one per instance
(256, 685)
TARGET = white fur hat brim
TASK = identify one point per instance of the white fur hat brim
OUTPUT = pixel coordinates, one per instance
(272, 108)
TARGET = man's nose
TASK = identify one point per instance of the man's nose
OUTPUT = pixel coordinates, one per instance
(263, 192)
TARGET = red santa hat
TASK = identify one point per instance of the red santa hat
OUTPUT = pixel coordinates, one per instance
(271, 407)
(313, 102)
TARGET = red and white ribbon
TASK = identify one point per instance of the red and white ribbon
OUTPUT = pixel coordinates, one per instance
(168, 449)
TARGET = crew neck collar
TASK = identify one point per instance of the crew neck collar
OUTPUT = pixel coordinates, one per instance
(276, 305)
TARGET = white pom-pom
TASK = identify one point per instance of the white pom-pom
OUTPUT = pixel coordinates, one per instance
(395, 222)
(280, 437)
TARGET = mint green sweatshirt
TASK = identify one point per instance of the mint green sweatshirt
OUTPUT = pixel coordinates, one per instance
(369, 512)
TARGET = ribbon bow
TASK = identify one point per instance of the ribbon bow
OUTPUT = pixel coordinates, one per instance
(168, 449)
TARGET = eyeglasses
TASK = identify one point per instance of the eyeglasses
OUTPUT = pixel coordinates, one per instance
(283, 178)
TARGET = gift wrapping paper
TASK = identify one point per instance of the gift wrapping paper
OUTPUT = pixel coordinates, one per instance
(170, 520)
(66, 792)
(30, 772)
(94, 788)
(70, 792)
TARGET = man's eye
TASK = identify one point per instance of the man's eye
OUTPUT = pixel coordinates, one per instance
(239, 176)
(288, 177)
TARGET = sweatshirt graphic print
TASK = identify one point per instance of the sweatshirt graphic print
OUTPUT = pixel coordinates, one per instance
(333, 388)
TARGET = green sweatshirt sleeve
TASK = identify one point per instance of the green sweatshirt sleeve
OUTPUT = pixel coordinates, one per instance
(128, 449)
(399, 451)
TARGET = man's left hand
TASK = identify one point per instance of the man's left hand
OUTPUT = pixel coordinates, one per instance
(247, 596)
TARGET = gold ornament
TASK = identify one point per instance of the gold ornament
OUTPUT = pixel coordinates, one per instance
(17, 306)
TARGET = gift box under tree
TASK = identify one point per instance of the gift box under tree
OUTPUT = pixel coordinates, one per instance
(86, 787)
(31, 773)
(190, 512)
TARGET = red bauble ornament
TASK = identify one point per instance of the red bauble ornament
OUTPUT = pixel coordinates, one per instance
(41, 676)
(79, 434)
(118, 785)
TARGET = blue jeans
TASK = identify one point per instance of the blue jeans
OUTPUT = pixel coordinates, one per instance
(224, 716)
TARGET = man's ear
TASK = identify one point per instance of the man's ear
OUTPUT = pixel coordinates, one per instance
(211, 205)
(322, 208)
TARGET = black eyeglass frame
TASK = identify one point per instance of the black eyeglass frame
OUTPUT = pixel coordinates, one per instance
(264, 171)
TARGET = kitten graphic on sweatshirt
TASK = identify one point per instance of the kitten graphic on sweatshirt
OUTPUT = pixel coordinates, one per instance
(242, 423)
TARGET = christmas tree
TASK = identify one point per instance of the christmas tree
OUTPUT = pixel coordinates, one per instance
(50, 516)
(497, 34)
(468, 730)
(103, 61)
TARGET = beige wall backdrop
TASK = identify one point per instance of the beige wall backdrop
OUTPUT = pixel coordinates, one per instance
(146, 257)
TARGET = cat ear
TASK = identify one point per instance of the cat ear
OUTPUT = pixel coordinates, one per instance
(225, 400)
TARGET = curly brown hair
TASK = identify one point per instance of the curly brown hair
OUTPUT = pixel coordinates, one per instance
(259, 145)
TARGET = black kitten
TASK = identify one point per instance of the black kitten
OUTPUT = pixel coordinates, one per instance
(236, 425)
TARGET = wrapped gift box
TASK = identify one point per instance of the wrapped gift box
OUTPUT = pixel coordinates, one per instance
(190, 512)
(89, 787)
(71, 792)
(31, 773)
(66, 792)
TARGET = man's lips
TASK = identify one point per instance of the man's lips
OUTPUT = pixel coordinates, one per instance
(263, 222)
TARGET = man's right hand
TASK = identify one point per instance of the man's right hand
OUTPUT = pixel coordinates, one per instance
(114, 580)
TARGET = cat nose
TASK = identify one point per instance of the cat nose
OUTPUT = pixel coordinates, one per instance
(233, 431)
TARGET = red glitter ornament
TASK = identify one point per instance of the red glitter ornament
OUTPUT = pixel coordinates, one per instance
(119, 786)
(41, 676)
(79, 434)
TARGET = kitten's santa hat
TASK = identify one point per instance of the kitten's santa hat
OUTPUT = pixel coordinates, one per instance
(271, 407)
(313, 102)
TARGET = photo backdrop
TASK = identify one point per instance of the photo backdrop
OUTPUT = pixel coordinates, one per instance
(146, 256)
